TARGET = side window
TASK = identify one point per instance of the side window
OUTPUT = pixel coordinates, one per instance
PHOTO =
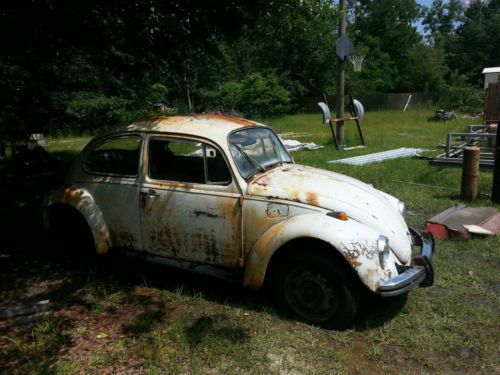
(187, 161)
(116, 156)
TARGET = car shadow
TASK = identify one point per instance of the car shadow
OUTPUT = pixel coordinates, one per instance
(375, 311)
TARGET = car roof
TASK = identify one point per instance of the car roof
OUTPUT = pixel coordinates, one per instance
(211, 126)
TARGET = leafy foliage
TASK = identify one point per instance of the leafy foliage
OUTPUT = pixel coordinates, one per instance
(92, 110)
(93, 64)
(459, 95)
(256, 95)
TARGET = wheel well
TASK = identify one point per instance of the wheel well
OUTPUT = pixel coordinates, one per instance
(61, 211)
(310, 245)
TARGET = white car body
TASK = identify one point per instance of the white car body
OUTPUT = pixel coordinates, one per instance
(242, 224)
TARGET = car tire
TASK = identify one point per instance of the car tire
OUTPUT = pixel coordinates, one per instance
(71, 239)
(317, 287)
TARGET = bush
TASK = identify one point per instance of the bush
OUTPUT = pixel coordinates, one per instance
(465, 99)
(93, 110)
(461, 96)
(256, 96)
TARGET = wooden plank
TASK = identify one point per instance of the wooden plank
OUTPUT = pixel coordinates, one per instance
(470, 174)
(344, 119)
(495, 190)
(492, 110)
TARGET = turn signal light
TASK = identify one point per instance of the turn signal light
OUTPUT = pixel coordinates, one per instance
(341, 216)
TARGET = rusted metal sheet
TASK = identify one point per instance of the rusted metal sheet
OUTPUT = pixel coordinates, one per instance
(335, 192)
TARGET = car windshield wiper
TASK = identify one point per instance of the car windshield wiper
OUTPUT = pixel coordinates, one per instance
(278, 156)
(251, 160)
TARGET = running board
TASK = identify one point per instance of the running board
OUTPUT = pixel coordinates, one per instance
(234, 275)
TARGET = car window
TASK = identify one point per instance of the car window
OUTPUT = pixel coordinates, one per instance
(116, 156)
(187, 161)
(256, 149)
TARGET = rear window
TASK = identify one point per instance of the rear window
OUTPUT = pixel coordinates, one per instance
(116, 156)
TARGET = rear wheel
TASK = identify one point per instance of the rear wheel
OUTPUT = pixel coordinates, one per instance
(317, 288)
(71, 238)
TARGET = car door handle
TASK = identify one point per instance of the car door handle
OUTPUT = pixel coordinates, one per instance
(150, 194)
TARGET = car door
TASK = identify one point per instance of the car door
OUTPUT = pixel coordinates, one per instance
(113, 180)
(190, 206)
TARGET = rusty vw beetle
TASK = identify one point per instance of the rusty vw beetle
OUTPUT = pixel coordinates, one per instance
(222, 196)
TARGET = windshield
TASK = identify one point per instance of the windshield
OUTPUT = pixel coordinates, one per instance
(256, 149)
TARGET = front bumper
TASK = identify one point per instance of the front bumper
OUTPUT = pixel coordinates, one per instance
(421, 273)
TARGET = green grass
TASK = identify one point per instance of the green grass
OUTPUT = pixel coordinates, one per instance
(146, 319)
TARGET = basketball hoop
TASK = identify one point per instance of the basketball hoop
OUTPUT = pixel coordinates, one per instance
(356, 61)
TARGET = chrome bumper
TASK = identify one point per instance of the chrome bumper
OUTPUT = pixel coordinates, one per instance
(421, 273)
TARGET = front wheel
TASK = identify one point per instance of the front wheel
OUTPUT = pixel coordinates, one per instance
(318, 288)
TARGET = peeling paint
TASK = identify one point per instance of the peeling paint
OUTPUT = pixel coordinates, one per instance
(198, 213)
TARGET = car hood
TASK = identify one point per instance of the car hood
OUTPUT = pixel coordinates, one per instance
(337, 192)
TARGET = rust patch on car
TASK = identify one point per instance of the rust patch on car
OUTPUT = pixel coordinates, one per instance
(232, 209)
(233, 120)
(259, 258)
(103, 242)
(312, 199)
(352, 256)
(361, 249)
(295, 196)
(178, 118)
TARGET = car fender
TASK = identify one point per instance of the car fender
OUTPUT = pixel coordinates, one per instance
(81, 200)
(356, 242)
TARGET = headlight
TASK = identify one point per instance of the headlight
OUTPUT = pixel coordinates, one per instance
(383, 250)
(402, 208)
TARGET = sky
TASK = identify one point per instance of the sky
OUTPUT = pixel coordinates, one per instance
(427, 3)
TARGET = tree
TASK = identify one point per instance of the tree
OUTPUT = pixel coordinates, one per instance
(426, 69)
(441, 20)
(477, 40)
(386, 28)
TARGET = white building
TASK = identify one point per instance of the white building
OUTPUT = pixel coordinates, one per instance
(491, 75)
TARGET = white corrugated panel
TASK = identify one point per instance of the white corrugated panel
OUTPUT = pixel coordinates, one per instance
(379, 156)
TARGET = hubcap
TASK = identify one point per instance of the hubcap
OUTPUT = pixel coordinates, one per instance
(311, 295)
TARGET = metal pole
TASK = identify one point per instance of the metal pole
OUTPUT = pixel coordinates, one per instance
(495, 190)
(341, 74)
